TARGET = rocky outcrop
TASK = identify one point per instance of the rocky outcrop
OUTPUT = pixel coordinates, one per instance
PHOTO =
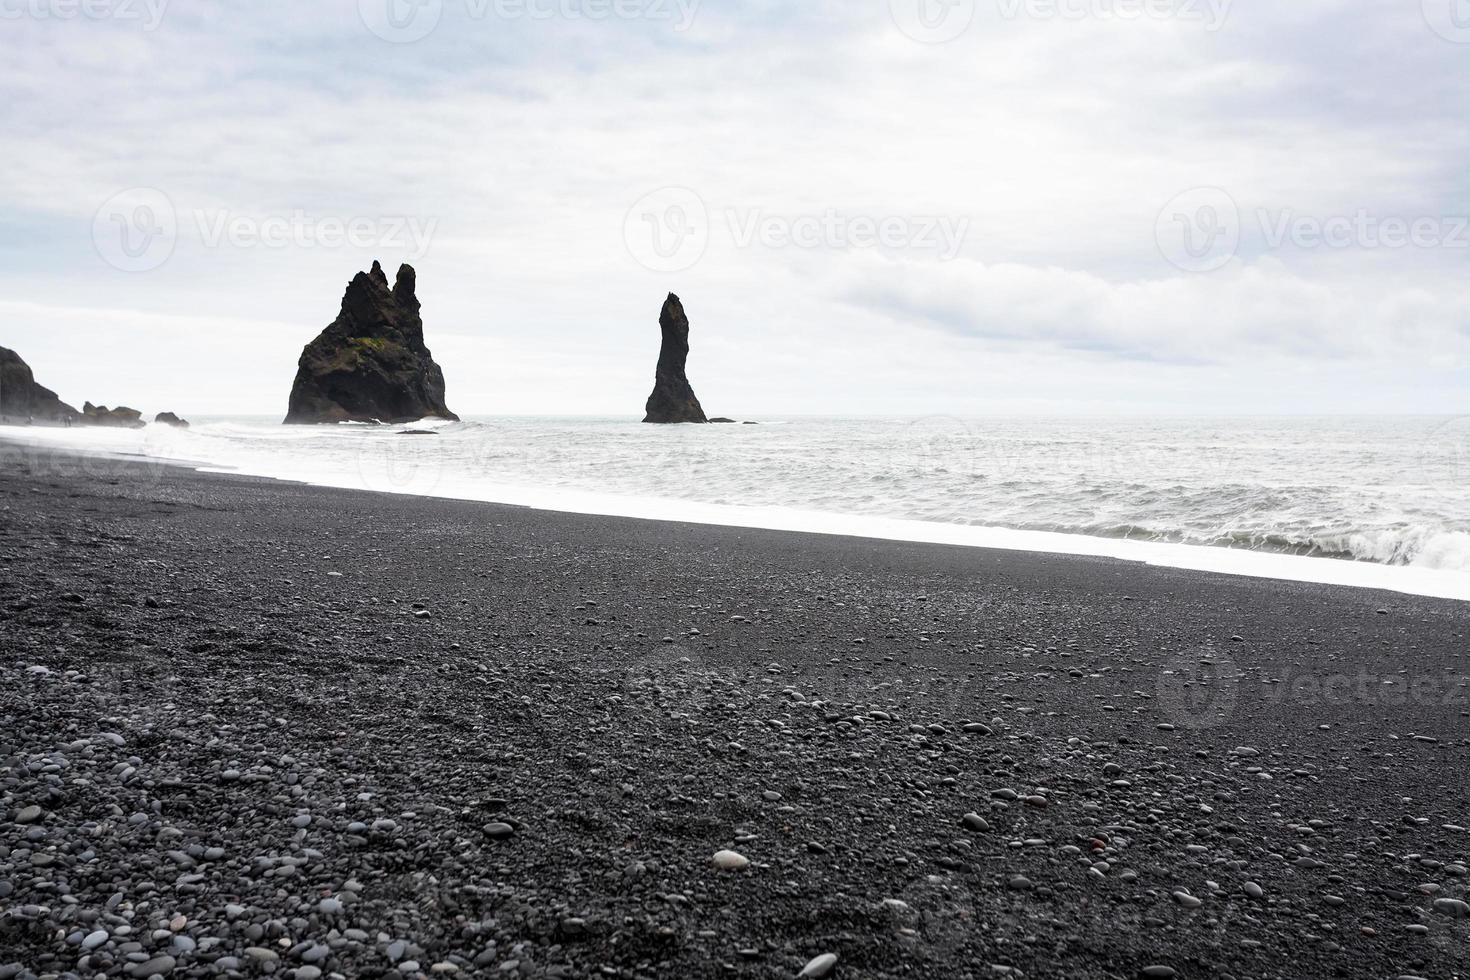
(673, 399)
(23, 400)
(169, 418)
(371, 364)
(116, 418)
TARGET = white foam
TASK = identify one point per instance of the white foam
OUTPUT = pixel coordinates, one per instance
(390, 467)
(1411, 580)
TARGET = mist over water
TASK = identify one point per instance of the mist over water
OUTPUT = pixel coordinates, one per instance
(1392, 491)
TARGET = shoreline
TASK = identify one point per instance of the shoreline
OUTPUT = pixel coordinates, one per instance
(491, 739)
(1275, 566)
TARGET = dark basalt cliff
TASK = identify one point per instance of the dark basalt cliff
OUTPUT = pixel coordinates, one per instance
(673, 399)
(22, 399)
(371, 364)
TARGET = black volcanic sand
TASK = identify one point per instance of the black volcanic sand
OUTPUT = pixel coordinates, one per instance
(253, 728)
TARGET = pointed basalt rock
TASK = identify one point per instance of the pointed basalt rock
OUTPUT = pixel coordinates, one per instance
(23, 400)
(371, 364)
(673, 398)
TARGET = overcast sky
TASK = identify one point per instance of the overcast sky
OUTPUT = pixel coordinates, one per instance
(868, 206)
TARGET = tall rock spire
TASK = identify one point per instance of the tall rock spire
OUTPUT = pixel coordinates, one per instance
(673, 398)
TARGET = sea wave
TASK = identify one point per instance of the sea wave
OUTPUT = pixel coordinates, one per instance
(1381, 491)
(1425, 547)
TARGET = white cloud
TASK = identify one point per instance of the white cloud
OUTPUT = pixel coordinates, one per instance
(528, 141)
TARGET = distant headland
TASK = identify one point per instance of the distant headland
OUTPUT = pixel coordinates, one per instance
(24, 401)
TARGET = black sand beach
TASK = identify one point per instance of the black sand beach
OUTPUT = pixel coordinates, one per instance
(257, 728)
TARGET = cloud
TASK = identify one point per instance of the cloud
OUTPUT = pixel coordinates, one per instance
(527, 140)
(1240, 316)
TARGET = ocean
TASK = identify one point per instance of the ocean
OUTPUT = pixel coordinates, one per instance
(1375, 501)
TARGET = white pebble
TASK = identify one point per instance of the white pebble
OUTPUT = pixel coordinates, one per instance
(820, 967)
(731, 861)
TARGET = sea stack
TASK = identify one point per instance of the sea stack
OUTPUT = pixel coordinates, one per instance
(371, 364)
(21, 398)
(673, 399)
(121, 417)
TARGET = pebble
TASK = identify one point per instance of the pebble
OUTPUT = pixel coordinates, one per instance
(731, 861)
(160, 965)
(29, 815)
(1452, 906)
(820, 967)
(1253, 890)
(499, 831)
(975, 822)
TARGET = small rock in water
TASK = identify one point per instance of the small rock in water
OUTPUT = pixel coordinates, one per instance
(731, 861)
(820, 967)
